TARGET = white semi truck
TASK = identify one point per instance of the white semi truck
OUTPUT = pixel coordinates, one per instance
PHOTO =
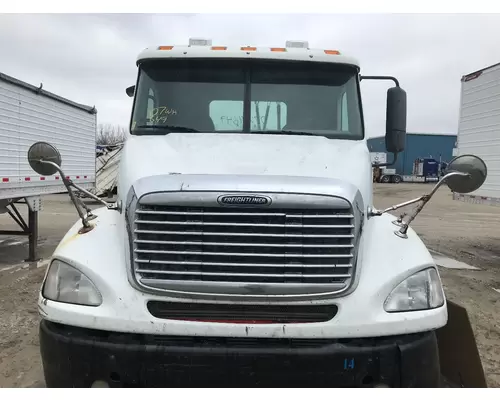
(244, 247)
(479, 130)
(29, 114)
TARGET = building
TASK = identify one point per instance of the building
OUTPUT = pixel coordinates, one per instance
(418, 145)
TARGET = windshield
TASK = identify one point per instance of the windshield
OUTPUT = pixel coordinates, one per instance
(247, 96)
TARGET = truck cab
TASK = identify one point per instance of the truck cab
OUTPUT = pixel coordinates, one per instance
(244, 247)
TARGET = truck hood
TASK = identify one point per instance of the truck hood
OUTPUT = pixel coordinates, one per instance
(246, 154)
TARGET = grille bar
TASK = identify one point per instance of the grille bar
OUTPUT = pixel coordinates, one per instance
(223, 254)
(279, 235)
(241, 214)
(197, 223)
(213, 247)
(230, 264)
(241, 274)
(234, 286)
(286, 245)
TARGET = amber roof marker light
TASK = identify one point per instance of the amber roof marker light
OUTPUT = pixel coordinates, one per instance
(332, 52)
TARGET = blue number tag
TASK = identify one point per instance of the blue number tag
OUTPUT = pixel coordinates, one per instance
(348, 363)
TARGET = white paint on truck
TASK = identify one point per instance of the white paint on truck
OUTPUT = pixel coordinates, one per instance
(213, 154)
(361, 315)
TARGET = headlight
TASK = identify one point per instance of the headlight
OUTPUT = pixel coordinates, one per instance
(66, 284)
(421, 291)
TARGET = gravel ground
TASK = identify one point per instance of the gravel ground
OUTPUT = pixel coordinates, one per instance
(462, 231)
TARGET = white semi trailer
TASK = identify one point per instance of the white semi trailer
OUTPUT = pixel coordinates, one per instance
(107, 166)
(244, 248)
(29, 114)
(479, 130)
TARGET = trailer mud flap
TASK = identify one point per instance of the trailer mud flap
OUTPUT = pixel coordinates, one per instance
(459, 357)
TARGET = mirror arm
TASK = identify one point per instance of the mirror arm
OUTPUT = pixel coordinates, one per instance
(379, 78)
(405, 225)
(90, 216)
(406, 203)
(86, 226)
(67, 183)
(444, 178)
(91, 195)
(423, 199)
(397, 206)
(394, 159)
(58, 170)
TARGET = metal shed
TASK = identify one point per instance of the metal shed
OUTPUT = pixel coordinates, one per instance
(418, 145)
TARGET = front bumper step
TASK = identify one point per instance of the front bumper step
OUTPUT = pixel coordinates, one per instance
(76, 357)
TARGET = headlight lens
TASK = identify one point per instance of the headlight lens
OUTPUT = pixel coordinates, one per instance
(421, 291)
(66, 284)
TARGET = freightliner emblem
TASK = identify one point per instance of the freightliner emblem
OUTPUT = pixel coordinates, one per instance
(244, 200)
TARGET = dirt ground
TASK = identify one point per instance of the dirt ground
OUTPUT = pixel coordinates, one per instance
(465, 232)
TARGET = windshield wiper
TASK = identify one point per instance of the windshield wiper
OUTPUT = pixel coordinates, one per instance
(301, 133)
(169, 128)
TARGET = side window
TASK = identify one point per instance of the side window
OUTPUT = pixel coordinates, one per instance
(227, 115)
(151, 105)
(344, 116)
(268, 115)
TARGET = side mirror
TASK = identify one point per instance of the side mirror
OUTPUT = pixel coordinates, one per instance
(44, 158)
(395, 134)
(130, 91)
(475, 170)
(464, 174)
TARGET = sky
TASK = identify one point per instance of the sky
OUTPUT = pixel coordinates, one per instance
(90, 58)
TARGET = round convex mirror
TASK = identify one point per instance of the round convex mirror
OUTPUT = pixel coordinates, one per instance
(42, 151)
(468, 164)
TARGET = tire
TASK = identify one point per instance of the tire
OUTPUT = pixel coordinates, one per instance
(385, 179)
(397, 179)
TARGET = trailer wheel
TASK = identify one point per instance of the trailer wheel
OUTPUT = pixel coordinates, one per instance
(397, 179)
(385, 179)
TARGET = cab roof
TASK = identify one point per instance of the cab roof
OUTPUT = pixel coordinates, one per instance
(203, 48)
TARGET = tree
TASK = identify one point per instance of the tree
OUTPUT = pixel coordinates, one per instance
(108, 134)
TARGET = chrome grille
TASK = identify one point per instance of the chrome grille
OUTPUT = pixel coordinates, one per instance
(209, 245)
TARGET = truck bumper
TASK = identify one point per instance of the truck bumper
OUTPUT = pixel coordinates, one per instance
(77, 357)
